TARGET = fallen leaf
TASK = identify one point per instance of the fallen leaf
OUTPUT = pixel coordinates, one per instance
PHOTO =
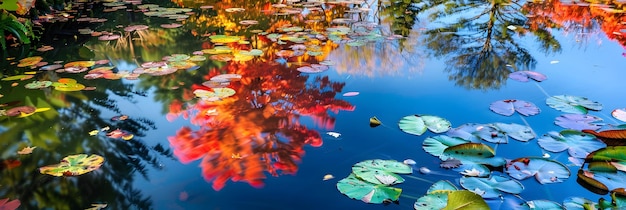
(93, 132)
(328, 177)
(97, 206)
(26, 150)
(333, 134)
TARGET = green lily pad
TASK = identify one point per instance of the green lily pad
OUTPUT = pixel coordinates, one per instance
(74, 165)
(436, 145)
(578, 144)
(573, 104)
(610, 154)
(578, 203)
(436, 197)
(224, 39)
(38, 84)
(474, 152)
(541, 204)
(516, 131)
(544, 170)
(418, 124)
(381, 171)
(491, 187)
(464, 199)
(367, 192)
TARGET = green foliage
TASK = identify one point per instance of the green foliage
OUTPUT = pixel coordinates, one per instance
(9, 24)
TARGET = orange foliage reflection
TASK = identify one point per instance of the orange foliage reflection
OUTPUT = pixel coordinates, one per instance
(580, 18)
(257, 130)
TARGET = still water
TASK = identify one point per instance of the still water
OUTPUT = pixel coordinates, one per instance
(268, 105)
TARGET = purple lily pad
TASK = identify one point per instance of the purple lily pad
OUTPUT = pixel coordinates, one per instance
(509, 106)
(578, 121)
(524, 76)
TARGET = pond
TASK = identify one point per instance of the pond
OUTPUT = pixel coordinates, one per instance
(316, 105)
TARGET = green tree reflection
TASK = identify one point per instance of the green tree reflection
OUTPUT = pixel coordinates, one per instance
(64, 130)
(483, 49)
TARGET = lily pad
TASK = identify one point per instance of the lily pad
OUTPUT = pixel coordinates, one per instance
(418, 124)
(610, 137)
(516, 131)
(74, 165)
(491, 187)
(436, 145)
(541, 204)
(578, 144)
(578, 121)
(381, 171)
(619, 114)
(508, 107)
(464, 199)
(573, 104)
(367, 192)
(474, 152)
(544, 170)
(524, 76)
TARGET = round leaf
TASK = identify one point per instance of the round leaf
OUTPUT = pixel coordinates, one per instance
(491, 187)
(544, 170)
(578, 144)
(412, 124)
(356, 188)
(74, 165)
(572, 104)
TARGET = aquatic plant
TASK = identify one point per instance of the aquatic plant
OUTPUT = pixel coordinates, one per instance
(9, 24)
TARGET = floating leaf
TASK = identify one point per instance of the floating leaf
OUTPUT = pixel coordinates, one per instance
(38, 84)
(578, 203)
(26, 150)
(351, 94)
(523, 76)
(573, 104)
(601, 180)
(578, 121)
(381, 171)
(367, 192)
(417, 125)
(450, 163)
(374, 122)
(544, 170)
(611, 154)
(328, 177)
(610, 137)
(436, 197)
(619, 114)
(436, 124)
(436, 145)
(463, 199)
(516, 131)
(542, 204)
(492, 186)
(474, 152)
(508, 107)
(74, 165)
(578, 144)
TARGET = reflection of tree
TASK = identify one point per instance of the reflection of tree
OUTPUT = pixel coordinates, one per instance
(64, 130)
(481, 49)
(258, 129)
(580, 19)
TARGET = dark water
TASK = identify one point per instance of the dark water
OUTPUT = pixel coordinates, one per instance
(266, 146)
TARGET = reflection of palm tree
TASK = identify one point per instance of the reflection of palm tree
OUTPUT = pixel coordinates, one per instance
(63, 131)
(258, 129)
(483, 50)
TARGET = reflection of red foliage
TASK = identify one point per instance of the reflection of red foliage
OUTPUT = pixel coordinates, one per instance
(258, 129)
(583, 18)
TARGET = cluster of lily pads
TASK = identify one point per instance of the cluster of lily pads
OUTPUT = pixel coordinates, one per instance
(600, 156)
